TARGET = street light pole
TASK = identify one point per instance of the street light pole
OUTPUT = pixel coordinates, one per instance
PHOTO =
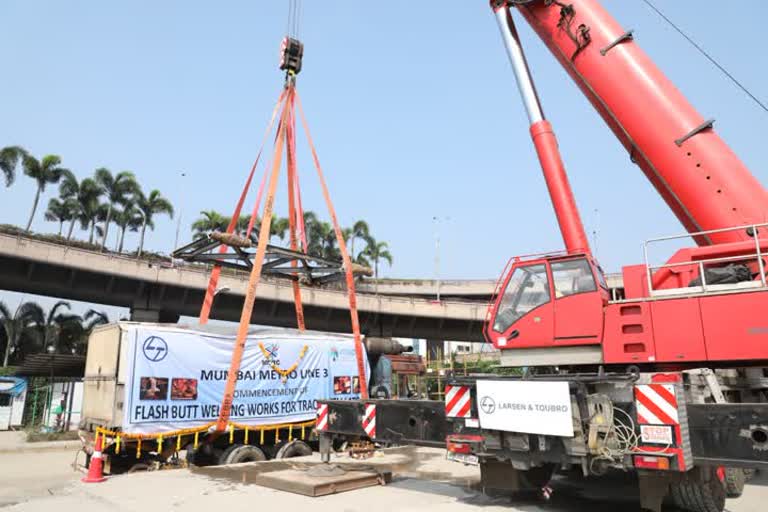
(178, 226)
(436, 221)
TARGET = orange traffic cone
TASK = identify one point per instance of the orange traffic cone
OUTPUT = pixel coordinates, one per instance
(96, 467)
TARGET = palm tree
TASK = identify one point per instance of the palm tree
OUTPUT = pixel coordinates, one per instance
(149, 206)
(68, 332)
(86, 194)
(118, 189)
(76, 339)
(27, 323)
(377, 251)
(58, 211)
(53, 321)
(129, 217)
(95, 318)
(211, 220)
(10, 156)
(359, 230)
(279, 227)
(45, 171)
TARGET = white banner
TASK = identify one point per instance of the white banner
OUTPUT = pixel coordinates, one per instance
(525, 407)
(176, 377)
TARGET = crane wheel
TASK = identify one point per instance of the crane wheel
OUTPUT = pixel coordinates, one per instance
(734, 480)
(700, 490)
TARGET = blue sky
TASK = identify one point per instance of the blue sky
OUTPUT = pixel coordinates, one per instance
(412, 105)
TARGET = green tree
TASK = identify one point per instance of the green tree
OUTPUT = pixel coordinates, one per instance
(118, 189)
(278, 227)
(359, 231)
(149, 206)
(45, 171)
(211, 220)
(376, 252)
(57, 315)
(127, 218)
(10, 156)
(87, 195)
(58, 211)
(76, 340)
(26, 325)
(95, 318)
(72, 331)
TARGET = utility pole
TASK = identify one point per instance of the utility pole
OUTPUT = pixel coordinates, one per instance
(436, 221)
(178, 225)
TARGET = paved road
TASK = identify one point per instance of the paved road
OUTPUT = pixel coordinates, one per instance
(424, 481)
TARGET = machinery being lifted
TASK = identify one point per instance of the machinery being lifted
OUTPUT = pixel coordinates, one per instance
(666, 376)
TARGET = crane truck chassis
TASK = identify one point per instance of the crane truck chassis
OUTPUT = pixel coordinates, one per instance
(665, 426)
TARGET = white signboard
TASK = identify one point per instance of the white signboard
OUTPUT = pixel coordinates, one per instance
(525, 407)
(176, 377)
(656, 434)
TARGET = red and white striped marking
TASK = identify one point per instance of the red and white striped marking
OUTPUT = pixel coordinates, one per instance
(369, 420)
(322, 417)
(457, 402)
(656, 404)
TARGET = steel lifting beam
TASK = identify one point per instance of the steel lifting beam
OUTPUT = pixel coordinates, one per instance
(277, 260)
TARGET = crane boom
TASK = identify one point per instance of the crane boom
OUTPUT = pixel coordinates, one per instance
(701, 179)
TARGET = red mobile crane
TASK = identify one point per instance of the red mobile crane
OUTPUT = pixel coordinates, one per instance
(663, 376)
(698, 308)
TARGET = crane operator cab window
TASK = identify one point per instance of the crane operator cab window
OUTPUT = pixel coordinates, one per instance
(572, 277)
(528, 288)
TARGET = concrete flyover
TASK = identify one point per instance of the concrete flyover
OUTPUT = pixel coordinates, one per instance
(159, 292)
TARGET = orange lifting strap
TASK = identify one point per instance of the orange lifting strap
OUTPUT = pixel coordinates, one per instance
(213, 282)
(285, 140)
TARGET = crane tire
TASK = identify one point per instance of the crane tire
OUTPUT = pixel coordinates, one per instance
(699, 490)
(734, 480)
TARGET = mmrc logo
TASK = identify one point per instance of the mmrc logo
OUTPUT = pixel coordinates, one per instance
(487, 404)
(271, 351)
(155, 349)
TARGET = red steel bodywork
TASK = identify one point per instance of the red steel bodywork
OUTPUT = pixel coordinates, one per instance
(695, 172)
(701, 179)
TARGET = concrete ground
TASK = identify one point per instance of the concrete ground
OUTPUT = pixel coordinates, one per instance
(16, 442)
(423, 479)
(34, 474)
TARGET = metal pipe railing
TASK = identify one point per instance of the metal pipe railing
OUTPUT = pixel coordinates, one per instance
(753, 228)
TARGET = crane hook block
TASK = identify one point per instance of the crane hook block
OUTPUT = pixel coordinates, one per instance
(291, 52)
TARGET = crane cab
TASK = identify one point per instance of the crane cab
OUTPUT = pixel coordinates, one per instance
(547, 302)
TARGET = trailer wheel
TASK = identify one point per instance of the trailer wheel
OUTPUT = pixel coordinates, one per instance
(224, 457)
(734, 480)
(245, 453)
(202, 456)
(700, 490)
(292, 449)
(140, 466)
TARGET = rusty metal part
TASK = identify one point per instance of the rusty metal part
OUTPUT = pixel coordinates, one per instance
(361, 450)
